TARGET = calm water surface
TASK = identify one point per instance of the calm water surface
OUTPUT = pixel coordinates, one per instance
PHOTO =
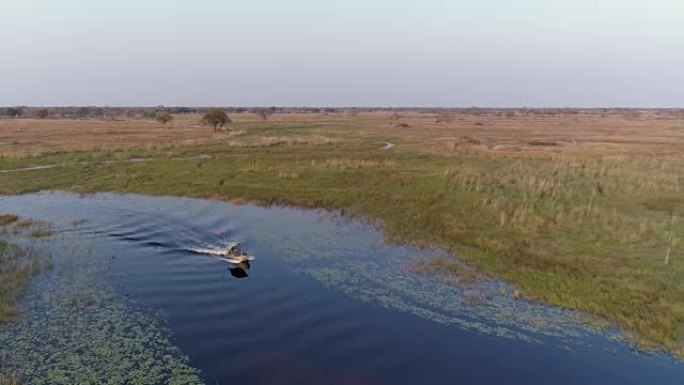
(327, 300)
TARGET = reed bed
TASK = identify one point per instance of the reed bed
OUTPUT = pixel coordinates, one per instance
(17, 266)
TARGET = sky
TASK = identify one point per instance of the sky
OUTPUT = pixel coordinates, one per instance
(402, 53)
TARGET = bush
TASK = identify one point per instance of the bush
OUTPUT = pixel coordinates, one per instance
(150, 114)
(164, 118)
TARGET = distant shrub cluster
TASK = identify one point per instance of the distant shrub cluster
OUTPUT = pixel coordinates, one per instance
(163, 117)
(94, 112)
(11, 112)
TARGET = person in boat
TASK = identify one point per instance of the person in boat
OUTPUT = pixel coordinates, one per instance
(231, 249)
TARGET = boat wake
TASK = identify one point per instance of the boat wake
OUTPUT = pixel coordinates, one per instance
(226, 251)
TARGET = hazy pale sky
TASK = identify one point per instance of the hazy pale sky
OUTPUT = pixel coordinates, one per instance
(542, 53)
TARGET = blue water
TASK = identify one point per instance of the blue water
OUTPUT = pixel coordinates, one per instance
(327, 301)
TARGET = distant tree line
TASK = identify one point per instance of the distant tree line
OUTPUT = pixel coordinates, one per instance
(444, 114)
(11, 112)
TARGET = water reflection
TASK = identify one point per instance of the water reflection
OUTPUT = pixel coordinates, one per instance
(239, 270)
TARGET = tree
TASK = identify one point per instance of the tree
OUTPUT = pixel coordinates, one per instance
(164, 118)
(216, 117)
(42, 113)
(265, 113)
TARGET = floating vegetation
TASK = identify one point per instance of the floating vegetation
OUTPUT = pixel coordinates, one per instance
(34, 228)
(447, 268)
(75, 329)
(41, 233)
(6, 219)
(411, 279)
(30, 223)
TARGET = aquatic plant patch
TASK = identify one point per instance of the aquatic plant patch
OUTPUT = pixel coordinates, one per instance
(6, 219)
(75, 329)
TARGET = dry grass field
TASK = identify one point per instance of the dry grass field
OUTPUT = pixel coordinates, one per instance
(36, 135)
(581, 211)
(576, 135)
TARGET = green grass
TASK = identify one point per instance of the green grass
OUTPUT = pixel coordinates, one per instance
(587, 233)
(17, 266)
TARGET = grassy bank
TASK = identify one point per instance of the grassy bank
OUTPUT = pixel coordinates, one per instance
(595, 233)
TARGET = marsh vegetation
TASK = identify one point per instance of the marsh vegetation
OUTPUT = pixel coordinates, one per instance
(87, 333)
(17, 266)
(590, 222)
